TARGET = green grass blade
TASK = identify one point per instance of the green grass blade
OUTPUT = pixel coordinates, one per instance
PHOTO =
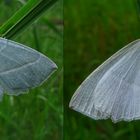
(36, 37)
(25, 16)
(53, 27)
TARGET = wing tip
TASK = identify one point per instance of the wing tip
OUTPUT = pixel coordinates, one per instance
(71, 104)
(54, 66)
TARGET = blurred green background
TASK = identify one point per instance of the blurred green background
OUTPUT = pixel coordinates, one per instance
(94, 30)
(37, 115)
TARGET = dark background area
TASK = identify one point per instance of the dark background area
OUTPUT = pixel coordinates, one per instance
(94, 30)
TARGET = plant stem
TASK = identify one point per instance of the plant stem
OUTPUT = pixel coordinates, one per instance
(25, 16)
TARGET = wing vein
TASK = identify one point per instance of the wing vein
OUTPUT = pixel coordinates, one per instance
(23, 66)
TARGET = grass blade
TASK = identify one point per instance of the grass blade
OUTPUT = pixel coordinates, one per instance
(53, 27)
(25, 16)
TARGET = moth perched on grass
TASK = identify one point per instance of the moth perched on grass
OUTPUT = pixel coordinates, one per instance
(113, 89)
(22, 68)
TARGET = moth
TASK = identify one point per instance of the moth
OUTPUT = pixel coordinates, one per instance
(113, 89)
(22, 68)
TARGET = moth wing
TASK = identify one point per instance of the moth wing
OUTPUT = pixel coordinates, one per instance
(22, 68)
(112, 90)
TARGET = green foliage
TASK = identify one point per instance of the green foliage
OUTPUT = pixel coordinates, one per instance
(38, 114)
(94, 30)
(26, 15)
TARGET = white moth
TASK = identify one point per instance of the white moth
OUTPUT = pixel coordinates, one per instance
(113, 89)
(22, 68)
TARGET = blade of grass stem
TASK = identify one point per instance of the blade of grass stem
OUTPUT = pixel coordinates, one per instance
(25, 16)
(53, 27)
